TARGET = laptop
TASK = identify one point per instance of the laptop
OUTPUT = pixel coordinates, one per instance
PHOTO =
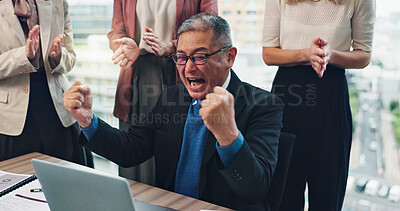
(73, 187)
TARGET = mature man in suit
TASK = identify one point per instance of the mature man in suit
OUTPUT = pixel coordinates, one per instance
(214, 137)
(148, 28)
(36, 50)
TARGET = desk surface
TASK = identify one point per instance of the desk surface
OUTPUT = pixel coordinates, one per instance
(140, 191)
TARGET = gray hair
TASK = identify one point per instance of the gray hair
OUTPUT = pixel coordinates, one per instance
(207, 21)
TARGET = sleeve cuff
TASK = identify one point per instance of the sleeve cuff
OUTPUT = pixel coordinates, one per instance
(228, 153)
(91, 130)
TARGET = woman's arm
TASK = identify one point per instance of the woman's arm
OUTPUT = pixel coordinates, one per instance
(362, 24)
(62, 55)
(209, 6)
(117, 26)
(279, 57)
(356, 59)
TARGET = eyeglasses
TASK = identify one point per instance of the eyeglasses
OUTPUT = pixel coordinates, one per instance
(197, 58)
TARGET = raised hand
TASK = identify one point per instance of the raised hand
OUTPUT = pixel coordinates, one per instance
(159, 47)
(127, 52)
(55, 50)
(218, 114)
(78, 102)
(32, 42)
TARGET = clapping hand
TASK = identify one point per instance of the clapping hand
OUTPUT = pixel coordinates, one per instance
(32, 42)
(319, 55)
(326, 49)
(55, 50)
(159, 47)
(127, 53)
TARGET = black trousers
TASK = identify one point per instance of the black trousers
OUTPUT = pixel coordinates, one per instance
(317, 111)
(43, 131)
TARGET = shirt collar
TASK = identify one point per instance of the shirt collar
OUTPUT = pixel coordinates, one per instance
(228, 79)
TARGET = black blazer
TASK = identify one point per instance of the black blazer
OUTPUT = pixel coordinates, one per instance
(242, 185)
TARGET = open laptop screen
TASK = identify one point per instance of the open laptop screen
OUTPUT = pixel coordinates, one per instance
(75, 187)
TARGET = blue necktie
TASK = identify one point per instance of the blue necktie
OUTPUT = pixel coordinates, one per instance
(194, 139)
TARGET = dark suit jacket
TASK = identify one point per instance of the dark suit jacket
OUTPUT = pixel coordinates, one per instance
(243, 184)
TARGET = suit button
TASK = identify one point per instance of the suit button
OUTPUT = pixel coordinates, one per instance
(235, 175)
(25, 90)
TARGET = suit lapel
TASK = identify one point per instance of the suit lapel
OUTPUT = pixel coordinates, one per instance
(179, 115)
(209, 151)
(45, 22)
(234, 88)
(182, 110)
(7, 8)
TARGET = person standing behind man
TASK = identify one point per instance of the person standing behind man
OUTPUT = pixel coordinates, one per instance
(36, 51)
(143, 34)
(311, 41)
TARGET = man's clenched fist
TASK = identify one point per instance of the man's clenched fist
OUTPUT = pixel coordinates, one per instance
(218, 114)
(78, 102)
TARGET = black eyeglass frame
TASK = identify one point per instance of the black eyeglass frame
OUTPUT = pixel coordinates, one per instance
(191, 57)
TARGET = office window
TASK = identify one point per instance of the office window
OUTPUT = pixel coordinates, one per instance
(251, 34)
(227, 3)
(251, 23)
(226, 13)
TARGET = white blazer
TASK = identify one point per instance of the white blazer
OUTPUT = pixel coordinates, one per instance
(15, 67)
